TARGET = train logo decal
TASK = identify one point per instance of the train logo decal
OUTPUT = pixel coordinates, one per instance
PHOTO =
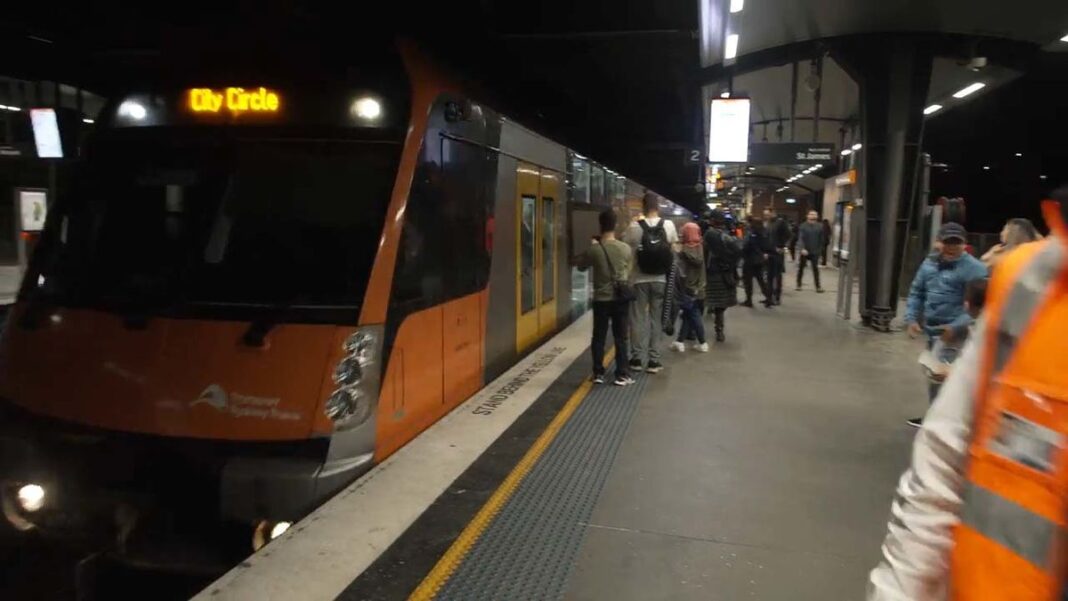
(213, 396)
(244, 405)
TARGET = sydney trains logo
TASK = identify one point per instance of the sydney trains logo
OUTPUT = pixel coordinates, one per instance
(243, 405)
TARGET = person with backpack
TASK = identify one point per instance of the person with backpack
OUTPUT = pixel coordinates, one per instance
(690, 289)
(610, 260)
(722, 252)
(654, 240)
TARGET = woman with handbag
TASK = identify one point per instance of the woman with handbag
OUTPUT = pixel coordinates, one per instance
(612, 295)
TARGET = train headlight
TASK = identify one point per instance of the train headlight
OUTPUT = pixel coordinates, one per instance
(360, 345)
(279, 529)
(348, 372)
(31, 497)
(366, 108)
(343, 405)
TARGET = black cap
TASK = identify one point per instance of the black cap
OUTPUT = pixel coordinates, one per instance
(953, 230)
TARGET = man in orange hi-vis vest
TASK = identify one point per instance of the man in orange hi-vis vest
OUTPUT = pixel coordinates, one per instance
(981, 512)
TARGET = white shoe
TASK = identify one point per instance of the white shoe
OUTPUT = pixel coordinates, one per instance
(701, 348)
(678, 347)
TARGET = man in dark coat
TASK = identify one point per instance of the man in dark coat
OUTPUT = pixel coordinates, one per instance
(778, 232)
(755, 254)
(722, 251)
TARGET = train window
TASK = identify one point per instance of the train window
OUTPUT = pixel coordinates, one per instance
(579, 183)
(463, 218)
(597, 185)
(526, 253)
(548, 249)
(417, 280)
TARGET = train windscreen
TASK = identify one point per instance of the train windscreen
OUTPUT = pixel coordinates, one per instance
(167, 224)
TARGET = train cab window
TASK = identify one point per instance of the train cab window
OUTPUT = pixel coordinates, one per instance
(548, 249)
(526, 253)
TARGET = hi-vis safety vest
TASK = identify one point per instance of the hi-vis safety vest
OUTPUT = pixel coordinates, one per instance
(1010, 543)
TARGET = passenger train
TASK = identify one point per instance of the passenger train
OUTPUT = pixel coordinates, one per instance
(258, 289)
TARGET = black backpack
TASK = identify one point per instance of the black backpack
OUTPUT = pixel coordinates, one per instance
(654, 252)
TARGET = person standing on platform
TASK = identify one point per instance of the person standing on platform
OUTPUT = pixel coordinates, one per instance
(979, 513)
(691, 293)
(810, 238)
(778, 232)
(722, 251)
(1016, 232)
(936, 297)
(610, 260)
(654, 241)
(827, 232)
(755, 254)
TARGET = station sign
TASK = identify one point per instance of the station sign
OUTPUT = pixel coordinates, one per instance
(233, 100)
(790, 153)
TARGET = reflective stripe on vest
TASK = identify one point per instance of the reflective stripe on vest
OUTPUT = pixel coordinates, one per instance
(1014, 527)
(1023, 300)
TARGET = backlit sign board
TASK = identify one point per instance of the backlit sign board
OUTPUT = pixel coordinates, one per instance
(233, 100)
(33, 208)
(46, 133)
(728, 130)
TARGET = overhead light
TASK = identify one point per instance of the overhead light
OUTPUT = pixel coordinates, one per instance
(975, 87)
(731, 49)
(1042, 177)
(724, 94)
(1064, 39)
(858, 146)
(88, 120)
(934, 108)
(133, 110)
(986, 167)
(279, 529)
(737, 6)
(847, 152)
(1019, 154)
(13, 108)
(791, 201)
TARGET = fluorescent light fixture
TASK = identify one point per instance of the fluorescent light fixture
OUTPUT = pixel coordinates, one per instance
(13, 108)
(1042, 177)
(791, 201)
(858, 146)
(847, 152)
(3, 107)
(724, 94)
(1064, 39)
(731, 49)
(1019, 154)
(986, 167)
(934, 108)
(87, 120)
(738, 5)
(133, 110)
(975, 87)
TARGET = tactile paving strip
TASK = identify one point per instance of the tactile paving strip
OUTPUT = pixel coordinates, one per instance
(529, 549)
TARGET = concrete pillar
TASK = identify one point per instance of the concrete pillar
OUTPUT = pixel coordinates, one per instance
(893, 78)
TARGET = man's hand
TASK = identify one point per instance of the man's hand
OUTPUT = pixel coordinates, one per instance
(804, 253)
(914, 330)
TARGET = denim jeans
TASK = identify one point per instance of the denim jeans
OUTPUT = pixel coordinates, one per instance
(692, 322)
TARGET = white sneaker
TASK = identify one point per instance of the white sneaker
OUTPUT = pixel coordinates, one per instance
(701, 348)
(678, 347)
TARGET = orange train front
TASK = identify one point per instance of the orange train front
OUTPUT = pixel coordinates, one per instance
(255, 290)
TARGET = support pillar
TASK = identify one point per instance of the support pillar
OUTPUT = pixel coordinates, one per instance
(893, 78)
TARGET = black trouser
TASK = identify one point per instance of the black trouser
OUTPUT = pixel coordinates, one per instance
(754, 271)
(719, 312)
(824, 255)
(615, 312)
(809, 258)
(776, 265)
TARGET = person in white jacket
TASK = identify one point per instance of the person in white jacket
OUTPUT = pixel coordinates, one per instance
(915, 562)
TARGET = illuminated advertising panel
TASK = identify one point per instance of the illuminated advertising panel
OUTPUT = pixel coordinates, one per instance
(728, 130)
(46, 133)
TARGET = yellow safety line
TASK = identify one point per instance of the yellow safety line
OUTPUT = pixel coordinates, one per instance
(452, 558)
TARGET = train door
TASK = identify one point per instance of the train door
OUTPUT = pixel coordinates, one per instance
(537, 195)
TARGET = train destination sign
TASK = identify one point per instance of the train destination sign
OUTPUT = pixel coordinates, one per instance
(234, 100)
(791, 154)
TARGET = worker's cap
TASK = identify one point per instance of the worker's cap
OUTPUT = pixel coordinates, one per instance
(952, 231)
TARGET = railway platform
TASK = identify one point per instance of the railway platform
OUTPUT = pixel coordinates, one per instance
(761, 470)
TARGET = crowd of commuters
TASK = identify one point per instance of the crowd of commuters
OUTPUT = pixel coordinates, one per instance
(655, 277)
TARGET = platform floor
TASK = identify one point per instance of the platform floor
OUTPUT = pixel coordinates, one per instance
(762, 470)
